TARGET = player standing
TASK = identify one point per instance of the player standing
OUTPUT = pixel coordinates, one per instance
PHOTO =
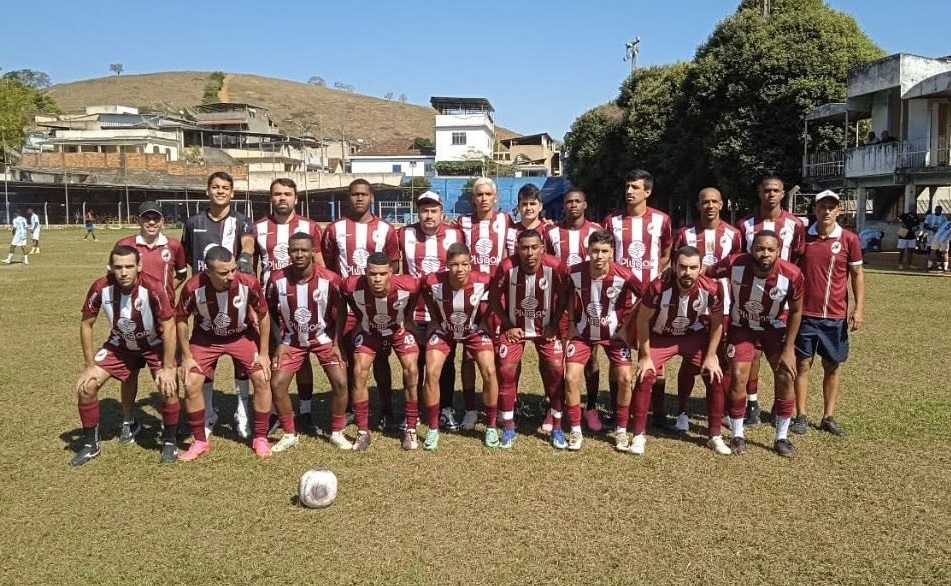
(765, 313)
(832, 259)
(35, 228)
(525, 294)
(142, 332)
(304, 298)
(455, 299)
(19, 238)
(221, 300)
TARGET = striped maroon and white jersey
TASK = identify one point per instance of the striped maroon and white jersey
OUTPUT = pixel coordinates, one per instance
(305, 311)
(459, 310)
(601, 305)
(486, 240)
(568, 245)
(759, 303)
(680, 313)
(529, 299)
(220, 314)
(381, 315)
(511, 237)
(134, 315)
(714, 244)
(792, 234)
(425, 254)
(640, 241)
(271, 241)
(347, 244)
(163, 261)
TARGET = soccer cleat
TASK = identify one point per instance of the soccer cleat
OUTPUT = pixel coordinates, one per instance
(784, 448)
(6, 261)
(799, 425)
(508, 439)
(447, 419)
(129, 431)
(548, 424)
(622, 442)
(638, 444)
(169, 453)
(659, 420)
(558, 440)
(85, 454)
(752, 416)
(287, 441)
(491, 437)
(592, 420)
(432, 440)
(389, 422)
(469, 420)
(575, 439)
(410, 442)
(261, 448)
(210, 423)
(719, 446)
(832, 426)
(363, 442)
(340, 441)
(196, 449)
(682, 424)
(738, 445)
(304, 423)
(26, 260)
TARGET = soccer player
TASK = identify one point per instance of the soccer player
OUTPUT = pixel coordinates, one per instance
(35, 228)
(90, 225)
(142, 332)
(833, 257)
(486, 233)
(455, 298)
(163, 260)
(644, 238)
(19, 238)
(305, 298)
(346, 245)
(425, 247)
(271, 237)
(907, 240)
(601, 294)
(568, 242)
(524, 293)
(383, 305)
(792, 239)
(221, 299)
(933, 221)
(530, 216)
(221, 225)
(680, 314)
(939, 248)
(716, 240)
(765, 312)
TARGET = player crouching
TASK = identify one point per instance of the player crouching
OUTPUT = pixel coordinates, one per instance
(454, 298)
(681, 314)
(142, 332)
(305, 299)
(221, 299)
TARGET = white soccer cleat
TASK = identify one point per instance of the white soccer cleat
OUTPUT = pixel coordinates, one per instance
(469, 420)
(682, 424)
(622, 442)
(638, 444)
(719, 446)
(340, 441)
(287, 441)
(575, 439)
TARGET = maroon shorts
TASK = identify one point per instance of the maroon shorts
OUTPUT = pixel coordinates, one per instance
(402, 341)
(243, 350)
(474, 343)
(578, 351)
(742, 343)
(548, 350)
(121, 364)
(294, 358)
(689, 346)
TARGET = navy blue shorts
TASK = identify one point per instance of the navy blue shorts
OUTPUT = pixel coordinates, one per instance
(829, 338)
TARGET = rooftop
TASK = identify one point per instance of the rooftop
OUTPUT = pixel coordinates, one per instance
(396, 148)
(451, 105)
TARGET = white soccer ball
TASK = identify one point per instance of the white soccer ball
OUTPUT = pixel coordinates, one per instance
(317, 488)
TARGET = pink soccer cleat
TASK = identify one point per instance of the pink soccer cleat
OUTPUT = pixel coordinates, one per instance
(261, 447)
(196, 449)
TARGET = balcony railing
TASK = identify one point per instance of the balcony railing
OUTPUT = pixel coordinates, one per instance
(824, 165)
(872, 160)
(918, 154)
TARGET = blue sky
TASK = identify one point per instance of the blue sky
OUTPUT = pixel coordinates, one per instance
(541, 64)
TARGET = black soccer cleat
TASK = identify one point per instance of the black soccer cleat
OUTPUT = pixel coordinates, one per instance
(85, 454)
(169, 453)
(799, 425)
(832, 426)
(738, 445)
(784, 448)
(752, 419)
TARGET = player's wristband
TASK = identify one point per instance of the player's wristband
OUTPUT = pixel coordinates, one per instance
(244, 263)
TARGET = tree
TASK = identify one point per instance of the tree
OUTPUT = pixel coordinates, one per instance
(317, 81)
(388, 96)
(422, 143)
(594, 148)
(18, 102)
(403, 98)
(28, 77)
(413, 186)
(116, 68)
(343, 86)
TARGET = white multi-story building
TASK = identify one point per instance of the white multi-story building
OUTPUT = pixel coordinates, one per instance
(465, 129)
(396, 156)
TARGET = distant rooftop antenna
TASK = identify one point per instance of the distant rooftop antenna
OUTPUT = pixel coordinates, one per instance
(632, 49)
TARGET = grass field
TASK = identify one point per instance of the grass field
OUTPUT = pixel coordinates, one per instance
(871, 508)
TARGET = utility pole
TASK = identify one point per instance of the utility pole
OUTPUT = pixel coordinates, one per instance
(766, 8)
(632, 48)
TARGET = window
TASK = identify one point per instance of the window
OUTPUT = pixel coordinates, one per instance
(459, 138)
(429, 168)
(397, 168)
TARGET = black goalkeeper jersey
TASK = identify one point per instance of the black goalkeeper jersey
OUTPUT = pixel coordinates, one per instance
(201, 233)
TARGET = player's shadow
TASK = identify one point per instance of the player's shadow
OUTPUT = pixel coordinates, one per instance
(110, 425)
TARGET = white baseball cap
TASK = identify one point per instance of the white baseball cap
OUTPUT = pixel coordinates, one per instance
(429, 196)
(827, 194)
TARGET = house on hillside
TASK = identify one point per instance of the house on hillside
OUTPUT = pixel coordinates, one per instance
(534, 155)
(396, 156)
(909, 97)
(464, 128)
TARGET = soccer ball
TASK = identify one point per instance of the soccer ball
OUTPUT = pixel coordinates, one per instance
(317, 488)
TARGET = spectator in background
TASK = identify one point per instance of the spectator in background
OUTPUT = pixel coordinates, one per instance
(908, 224)
(933, 222)
(870, 139)
(886, 137)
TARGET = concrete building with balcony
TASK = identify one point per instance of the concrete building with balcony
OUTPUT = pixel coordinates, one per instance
(909, 97)
(464, 128)
(533, 155)
(112, 129)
